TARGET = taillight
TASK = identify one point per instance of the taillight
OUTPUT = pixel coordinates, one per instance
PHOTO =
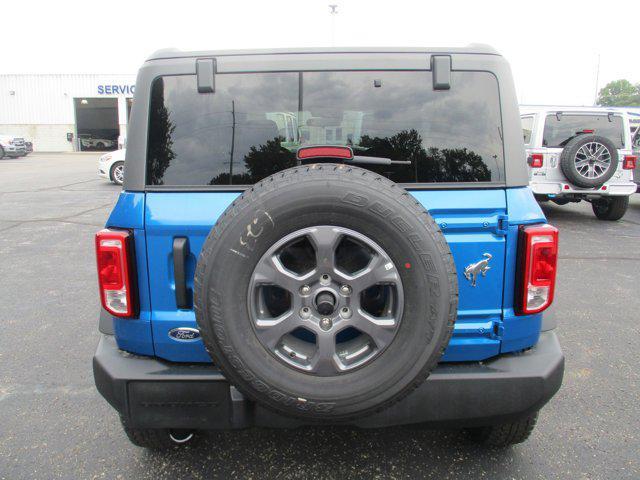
(538, 257)
(536, 160)
(325, 151)
(114, 255)
(629, 162)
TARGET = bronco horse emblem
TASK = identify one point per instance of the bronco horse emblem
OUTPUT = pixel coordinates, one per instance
(481, 267)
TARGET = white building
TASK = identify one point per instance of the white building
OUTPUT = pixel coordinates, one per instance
(63, 113)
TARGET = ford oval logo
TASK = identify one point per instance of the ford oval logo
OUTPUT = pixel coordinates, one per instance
(185, 334)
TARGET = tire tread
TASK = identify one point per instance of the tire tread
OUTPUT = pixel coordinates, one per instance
(615, 208)
(151, 438)
(505, 434)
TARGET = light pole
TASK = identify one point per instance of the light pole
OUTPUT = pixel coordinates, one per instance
(595, 99)
(333, 13)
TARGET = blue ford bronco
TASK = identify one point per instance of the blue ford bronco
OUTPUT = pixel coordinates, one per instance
(326, 237)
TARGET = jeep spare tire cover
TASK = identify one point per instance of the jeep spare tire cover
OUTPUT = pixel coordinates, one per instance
(589, 160)
(326, 292)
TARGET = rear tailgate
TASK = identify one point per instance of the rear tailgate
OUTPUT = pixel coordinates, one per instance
(473, 222)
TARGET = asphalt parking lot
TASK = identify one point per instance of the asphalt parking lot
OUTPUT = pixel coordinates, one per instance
(53, 423)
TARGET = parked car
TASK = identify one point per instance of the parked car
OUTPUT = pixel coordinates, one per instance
(12, 146)
(111, 166)
(580, 153)
(88, 141)
(396, 275)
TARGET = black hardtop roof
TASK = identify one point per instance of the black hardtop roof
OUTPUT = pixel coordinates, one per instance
(470, 58)
(479, 49)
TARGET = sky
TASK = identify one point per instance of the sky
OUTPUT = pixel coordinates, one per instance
(554, 47)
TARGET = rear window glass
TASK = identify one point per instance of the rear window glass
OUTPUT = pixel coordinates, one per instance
(253, 124)
(558, 130)
(527, 125)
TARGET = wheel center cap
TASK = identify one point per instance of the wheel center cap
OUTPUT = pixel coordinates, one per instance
(325, 303)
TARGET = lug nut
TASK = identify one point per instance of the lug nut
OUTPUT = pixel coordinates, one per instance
(326, 324)
(305, 312)
(345, 290)
(305, 290)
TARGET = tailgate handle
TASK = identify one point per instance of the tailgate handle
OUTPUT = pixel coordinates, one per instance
(180, 254)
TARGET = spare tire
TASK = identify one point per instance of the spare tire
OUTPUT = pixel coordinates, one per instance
(588, 161)
(326, 292)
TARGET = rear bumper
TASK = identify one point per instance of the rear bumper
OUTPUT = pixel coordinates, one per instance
(559, 189)
(13, 151)
(151, 393)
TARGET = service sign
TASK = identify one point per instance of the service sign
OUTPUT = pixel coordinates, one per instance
(116, 89)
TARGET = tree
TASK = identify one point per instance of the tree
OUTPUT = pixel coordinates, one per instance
(427, 165)
(268, 158)
(161, 152)
(619, 93)
(261, 161)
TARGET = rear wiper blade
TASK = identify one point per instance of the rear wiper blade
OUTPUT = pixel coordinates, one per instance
(361, 159)
(343, 154)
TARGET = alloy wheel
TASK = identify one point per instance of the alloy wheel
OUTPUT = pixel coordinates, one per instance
(325, 300)
(592, 160)
(118, 174)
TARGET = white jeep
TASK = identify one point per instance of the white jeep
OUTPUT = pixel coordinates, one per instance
(580, 153)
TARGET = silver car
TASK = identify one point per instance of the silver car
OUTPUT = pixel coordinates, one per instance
(11, 146)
